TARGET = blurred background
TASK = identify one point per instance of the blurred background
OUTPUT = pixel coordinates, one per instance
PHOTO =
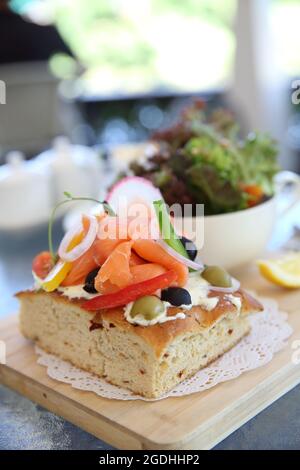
(110, 72)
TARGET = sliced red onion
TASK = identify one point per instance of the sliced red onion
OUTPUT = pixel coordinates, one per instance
(228, 290)
(83, 246)
(182, 259)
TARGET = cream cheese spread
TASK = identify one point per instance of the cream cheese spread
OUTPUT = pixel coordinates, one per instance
(76, 292)
(236, 301)
(141, 320)
(197, 287)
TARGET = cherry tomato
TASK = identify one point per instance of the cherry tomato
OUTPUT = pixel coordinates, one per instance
(42, 264)
(255, 193)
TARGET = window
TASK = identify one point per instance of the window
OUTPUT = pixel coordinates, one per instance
(285, 16)
(142, 46)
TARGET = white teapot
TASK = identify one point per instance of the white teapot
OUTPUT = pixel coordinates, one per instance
(25, 196)
(74, 168)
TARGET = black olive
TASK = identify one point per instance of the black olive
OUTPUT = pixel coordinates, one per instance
(176, 296)
(190, 248)
(90, 288)
(89, 285)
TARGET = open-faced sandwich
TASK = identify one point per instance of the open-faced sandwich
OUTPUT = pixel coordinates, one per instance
(140, 312)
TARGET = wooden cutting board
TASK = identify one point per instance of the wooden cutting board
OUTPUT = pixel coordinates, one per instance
(198, 421)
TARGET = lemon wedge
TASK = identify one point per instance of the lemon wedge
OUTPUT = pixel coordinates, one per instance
(284, 271)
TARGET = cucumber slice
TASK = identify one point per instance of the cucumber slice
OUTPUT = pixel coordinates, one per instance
(166, 228)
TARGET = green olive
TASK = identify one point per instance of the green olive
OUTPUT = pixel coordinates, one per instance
(217, 276)
(149, 306)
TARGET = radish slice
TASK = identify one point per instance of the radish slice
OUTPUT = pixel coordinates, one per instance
(83, 246)
(182, 259)
(228, 290)
(132, 189)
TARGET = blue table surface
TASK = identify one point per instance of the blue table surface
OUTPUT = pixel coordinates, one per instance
(25, 425)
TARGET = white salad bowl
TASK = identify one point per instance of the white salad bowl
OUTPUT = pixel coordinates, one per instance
(233, 239)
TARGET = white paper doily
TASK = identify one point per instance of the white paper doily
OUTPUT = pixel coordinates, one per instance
(269, 334)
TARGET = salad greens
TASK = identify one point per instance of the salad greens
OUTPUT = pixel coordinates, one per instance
(202, 159)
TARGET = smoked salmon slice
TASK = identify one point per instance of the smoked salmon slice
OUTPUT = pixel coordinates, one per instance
(135, 259)
(95, 256)
(116, 268)
(143, 272)
(140, 273)
(122, 262)
(110, 231)
(81, 267)
(151, 251)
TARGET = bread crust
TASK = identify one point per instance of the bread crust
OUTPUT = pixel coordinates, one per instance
(160, 335)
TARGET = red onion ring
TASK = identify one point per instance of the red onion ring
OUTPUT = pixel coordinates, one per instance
(182, 259)
(83, 246)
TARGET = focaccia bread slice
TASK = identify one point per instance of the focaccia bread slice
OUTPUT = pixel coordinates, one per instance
(149, 360)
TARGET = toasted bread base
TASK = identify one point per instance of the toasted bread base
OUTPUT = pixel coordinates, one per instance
(119, 354)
